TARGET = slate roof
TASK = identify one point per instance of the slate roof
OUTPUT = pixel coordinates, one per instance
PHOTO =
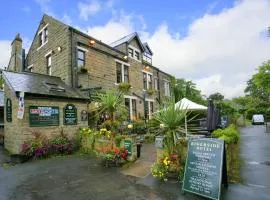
(40, 85)
(127, 39)
(1, 98)
(147, 48)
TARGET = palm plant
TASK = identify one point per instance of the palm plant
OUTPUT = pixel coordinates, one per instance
(172, 118)
(110, 102)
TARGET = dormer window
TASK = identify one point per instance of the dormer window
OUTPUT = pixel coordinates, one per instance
(134, 53)
(137, 55)
(130, 52)
(147, 57)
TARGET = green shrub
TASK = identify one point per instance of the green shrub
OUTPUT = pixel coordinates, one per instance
(118, 140)
(229, 134)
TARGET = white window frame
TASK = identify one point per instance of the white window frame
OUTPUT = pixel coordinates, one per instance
(135, 49)
(130, 105)
(156, 83)
(166, 87)
(30, 67)
(82, 49)
(42, 32)
(49, 54)
(122, 70)
(149, 110)
(147, 84)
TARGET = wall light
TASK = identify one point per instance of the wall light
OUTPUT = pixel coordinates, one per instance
(125, 57)
(92, 42)
(59, 49)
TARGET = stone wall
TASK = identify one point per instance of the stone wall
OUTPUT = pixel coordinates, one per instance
(18, 131)
(58, 36)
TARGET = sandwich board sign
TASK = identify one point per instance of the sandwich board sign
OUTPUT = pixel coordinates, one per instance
(205, 168)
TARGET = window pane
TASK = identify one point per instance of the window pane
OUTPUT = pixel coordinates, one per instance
(137, 55)
(45, 32)
(145, 81)
(134, 109)
(80, 63)
(130, 52)
(149, 81)
(49, 61)
(126, 74)
(80, 55)
(118, 73)
(127, 104)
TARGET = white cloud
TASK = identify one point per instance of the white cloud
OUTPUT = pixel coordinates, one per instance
(220, 51)
(89, 8)
(5, 53)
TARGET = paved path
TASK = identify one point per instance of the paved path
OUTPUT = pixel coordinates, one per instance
(255, 171)
(142, 167)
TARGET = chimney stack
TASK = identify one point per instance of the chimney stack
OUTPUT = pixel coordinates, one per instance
(17, 58)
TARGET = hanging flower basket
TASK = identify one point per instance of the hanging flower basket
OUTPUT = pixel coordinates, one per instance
(124, 87)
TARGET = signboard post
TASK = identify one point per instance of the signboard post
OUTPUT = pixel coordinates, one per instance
(205, 168)
(9, 110)
(128, 146)
(43, 116)
(70, 114)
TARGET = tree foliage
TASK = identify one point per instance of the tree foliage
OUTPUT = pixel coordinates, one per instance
(257, 99)
(183, 88)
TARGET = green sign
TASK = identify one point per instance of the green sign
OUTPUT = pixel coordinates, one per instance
(70, 114)
(204, 167)
(43, 116)
(9, 110)
(128, 146)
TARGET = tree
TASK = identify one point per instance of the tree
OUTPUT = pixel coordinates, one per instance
(259, 84)
(216, 96)
(182, 88)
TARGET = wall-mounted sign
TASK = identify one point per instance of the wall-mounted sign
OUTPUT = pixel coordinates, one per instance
(205, 168)
(128, 146)
(21, 106)
(43, 116)
(70, 114)
(84, 115)
(9, 110)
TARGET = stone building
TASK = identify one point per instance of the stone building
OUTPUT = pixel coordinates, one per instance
(62, 66)
(84, 62)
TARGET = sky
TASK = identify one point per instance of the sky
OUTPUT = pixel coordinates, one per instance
(218, 44)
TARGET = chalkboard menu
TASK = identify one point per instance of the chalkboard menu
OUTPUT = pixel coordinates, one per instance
(9, 110)
(204, 167)
(43, 116)
(70, 114)
(128, 146)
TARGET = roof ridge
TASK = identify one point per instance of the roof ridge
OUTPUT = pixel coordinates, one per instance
(32, 73)
(124, 37)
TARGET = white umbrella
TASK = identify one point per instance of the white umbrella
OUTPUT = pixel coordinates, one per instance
(189, 105)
